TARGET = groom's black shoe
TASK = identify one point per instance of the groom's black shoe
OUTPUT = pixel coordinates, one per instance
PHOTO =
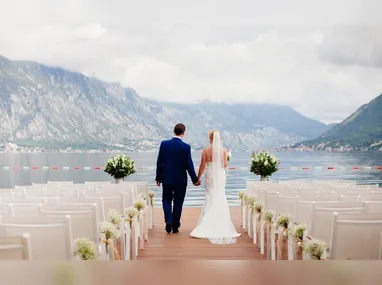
(175, 230)
(168, 227)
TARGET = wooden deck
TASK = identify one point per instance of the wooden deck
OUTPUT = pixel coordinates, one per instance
(181, 246)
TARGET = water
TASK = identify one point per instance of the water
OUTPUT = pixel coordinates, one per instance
(24, 169)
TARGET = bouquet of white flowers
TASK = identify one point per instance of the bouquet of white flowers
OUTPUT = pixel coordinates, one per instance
(283, 220)
(229, 156)
(269, 216)
(140, 204)
(298, 233)
(151, 196)
(120, 166)
(110, 230)
(85, 249)
(258, 207)
(264, 164)
(114, 217)
(316, 249)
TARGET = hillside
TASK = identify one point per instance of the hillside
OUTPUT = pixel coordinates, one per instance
(54, 108)
(360, 131)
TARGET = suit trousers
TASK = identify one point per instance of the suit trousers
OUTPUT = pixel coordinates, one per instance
(172, 200)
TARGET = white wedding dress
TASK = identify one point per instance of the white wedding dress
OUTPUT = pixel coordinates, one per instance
(215, 221)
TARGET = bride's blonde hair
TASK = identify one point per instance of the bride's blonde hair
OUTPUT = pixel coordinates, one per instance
(211, 135)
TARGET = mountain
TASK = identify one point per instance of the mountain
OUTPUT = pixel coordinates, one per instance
(50, 107)
(360, 131)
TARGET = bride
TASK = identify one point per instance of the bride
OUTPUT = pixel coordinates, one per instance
(215, 221)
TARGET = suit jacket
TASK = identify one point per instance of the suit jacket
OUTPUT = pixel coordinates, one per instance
(173, 163)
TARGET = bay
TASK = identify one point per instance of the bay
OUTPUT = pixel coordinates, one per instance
(27, 168)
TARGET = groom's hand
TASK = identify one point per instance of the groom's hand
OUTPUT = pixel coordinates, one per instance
(158, 183)
(197, 183)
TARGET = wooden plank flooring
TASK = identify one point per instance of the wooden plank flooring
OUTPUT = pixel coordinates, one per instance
(181, 246)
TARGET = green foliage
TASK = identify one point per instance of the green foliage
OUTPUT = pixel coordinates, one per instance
(264, 164)
(120, 166)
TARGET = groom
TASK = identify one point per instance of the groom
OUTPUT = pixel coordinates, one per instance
(174, 161)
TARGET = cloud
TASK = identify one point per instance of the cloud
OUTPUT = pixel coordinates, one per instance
(323, 58)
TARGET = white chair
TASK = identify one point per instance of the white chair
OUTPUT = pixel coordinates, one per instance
(83, 222)
(374, 207)
(28, 209)
(355, 239)
(60, 182)
(15, 248)
(287, 204)
(305, 209)
(98, 202)
(271, 201)
(322, 219)
(35, 200)
(49, 242)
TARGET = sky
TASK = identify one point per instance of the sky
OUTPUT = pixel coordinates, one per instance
(323, 58)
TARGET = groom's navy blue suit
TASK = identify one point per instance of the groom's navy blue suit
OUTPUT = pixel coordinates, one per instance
(174, 161)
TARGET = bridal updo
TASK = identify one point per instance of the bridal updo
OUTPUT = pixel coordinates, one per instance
(211, 135)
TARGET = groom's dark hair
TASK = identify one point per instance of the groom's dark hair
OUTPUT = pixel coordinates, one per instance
(179, 129)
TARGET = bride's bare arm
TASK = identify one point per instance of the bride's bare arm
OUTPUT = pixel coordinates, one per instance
(202, 166)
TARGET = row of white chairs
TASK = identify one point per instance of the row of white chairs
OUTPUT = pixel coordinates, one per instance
(342, 222)
(53, 222)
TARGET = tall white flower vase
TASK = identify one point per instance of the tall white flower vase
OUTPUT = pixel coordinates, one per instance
(273, 241)
(119, 180)
(108, 250)
(141, 219)
(280, 243)
(249, 221)
(146, 222)
(242, 212)
(262, 239)
(151, 215)
(135, 234)
(245, 217)
(255, 223)
(304, 242)
(130, 251)
(290, 243)
(122, 240)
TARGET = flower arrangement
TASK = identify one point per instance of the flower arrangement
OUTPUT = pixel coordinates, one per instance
(130, 214)
(140, 205)
(120, 166)
(151, 196)
(85, 249)
(250, 201)
(283, 220)
(258, 207)
(298, 233)
(315, 249)
(264, 164)
(268, 216)
(229, 156)
(245, 199)
(110, 230)
(114, 217)
(241, 195)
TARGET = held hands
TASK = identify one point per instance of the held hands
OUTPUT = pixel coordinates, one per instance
(197, 183)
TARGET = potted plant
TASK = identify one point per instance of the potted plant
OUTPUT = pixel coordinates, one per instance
(120, 167)
(264, 164)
